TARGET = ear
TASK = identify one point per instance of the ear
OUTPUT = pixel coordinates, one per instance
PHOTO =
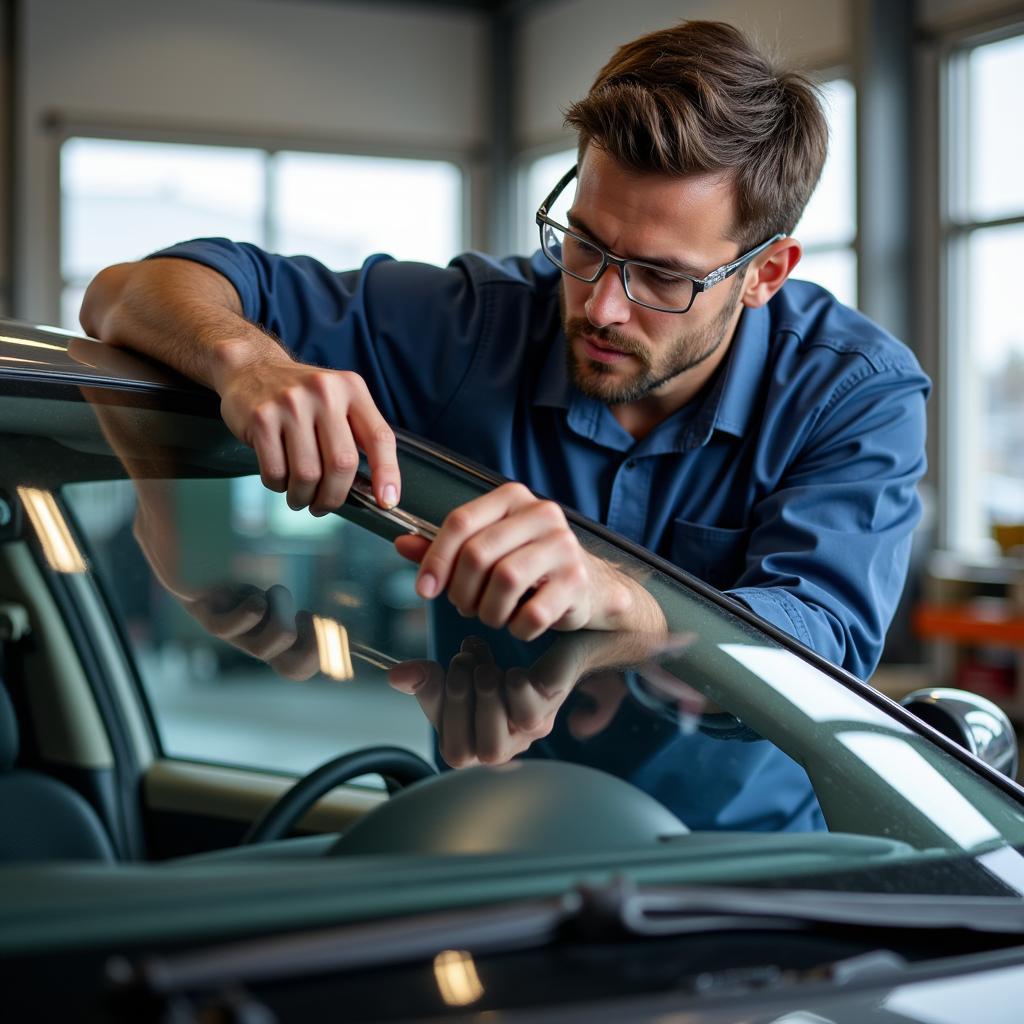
(768, 272)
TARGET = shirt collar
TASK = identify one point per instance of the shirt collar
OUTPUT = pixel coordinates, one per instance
(727, 406)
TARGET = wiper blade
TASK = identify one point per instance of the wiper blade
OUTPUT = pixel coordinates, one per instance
(589, 914)
(677, 911)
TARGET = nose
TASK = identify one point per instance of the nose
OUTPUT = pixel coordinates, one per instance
(608, 303)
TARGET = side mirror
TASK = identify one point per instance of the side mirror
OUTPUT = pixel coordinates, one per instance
(972, 721)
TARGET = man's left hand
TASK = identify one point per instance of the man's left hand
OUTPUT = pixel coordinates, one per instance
(511, 560)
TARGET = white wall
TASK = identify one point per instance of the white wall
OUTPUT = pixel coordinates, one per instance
(361, 74)
(564, 44)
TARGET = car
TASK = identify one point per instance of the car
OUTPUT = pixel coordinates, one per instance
(226, 732)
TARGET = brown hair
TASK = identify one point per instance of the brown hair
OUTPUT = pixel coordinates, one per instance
(699, 98)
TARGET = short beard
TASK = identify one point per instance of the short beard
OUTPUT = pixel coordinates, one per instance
(595, 379)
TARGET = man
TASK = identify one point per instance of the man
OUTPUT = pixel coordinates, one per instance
(651, 367)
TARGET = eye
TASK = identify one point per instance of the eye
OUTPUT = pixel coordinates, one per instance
(662, 278)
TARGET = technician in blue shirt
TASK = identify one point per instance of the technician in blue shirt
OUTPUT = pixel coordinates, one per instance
(651, 366)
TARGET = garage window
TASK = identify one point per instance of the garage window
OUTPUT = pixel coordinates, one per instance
(123, 199)
(984, 249)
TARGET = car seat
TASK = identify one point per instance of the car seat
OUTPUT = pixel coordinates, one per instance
(40, 817)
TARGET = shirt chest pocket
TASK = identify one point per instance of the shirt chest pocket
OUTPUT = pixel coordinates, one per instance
(712, 553)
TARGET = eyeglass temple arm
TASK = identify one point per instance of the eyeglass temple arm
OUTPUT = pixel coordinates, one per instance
(553, 194)
(719, 275)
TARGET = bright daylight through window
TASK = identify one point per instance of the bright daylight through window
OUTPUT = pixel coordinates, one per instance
(985, 247)
(123, 199)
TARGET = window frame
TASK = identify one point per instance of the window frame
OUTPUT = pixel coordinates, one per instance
(468, 164)
(943, 295)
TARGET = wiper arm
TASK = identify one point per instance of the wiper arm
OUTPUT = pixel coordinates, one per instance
(589, 914)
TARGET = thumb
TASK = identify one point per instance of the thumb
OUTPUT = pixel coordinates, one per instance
(412, 547)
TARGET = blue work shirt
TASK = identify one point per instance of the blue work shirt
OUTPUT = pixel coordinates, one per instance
(789, 482)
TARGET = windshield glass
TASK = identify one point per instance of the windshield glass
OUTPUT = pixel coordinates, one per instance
(266, 638)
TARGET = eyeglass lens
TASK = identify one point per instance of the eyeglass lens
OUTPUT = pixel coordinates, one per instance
(643, 284)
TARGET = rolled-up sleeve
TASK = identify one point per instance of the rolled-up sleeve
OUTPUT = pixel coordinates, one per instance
(409, 330)
(829, 547)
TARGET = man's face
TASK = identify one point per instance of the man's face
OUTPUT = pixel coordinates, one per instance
(620, 352)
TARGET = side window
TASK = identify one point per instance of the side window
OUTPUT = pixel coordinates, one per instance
(261, 635)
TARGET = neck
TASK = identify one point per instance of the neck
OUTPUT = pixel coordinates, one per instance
(639, 418)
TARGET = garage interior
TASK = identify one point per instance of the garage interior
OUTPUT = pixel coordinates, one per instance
(128, 127)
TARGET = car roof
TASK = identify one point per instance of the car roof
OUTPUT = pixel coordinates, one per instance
(41, 353)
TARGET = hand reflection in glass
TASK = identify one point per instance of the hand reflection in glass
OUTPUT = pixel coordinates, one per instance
(261, 623)
(486, 714)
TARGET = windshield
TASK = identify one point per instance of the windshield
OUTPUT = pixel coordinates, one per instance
(266, 638)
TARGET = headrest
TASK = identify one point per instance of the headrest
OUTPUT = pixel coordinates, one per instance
(8, 732)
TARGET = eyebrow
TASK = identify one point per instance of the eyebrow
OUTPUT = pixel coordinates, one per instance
(668, 264)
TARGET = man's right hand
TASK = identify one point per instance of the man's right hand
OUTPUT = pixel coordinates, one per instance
(304, 423)
(306, 426)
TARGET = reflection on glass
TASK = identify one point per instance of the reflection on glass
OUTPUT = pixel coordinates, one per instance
(332, 648)
(59, 548)
(1006, 864)
(212, 658)
(807, 689)
(29, 343)
(457, 978)
(906, 771)
(954, 1000)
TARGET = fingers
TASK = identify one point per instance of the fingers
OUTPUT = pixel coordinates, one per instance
(506, 553)
(602, 697)
(377, 439)
(461, 524)
(491, 727)
(229, 612)
(546, 566)
(301, 660)
(491, 552)
(457, 731)
(424, 680)
(307, 426)
(464, 705)
(412, 547)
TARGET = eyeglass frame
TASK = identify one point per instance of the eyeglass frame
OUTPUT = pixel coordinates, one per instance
(700, 284)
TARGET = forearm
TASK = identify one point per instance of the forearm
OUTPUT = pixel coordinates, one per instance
(179, 312)
(630, 606)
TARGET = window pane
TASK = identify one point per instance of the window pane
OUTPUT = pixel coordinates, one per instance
(70, 304)
(341, 209)
(996, 344)
(222, 543)
(996, 129)
(834, 269)
(831, 214)
(537, 181)
(121, 200)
